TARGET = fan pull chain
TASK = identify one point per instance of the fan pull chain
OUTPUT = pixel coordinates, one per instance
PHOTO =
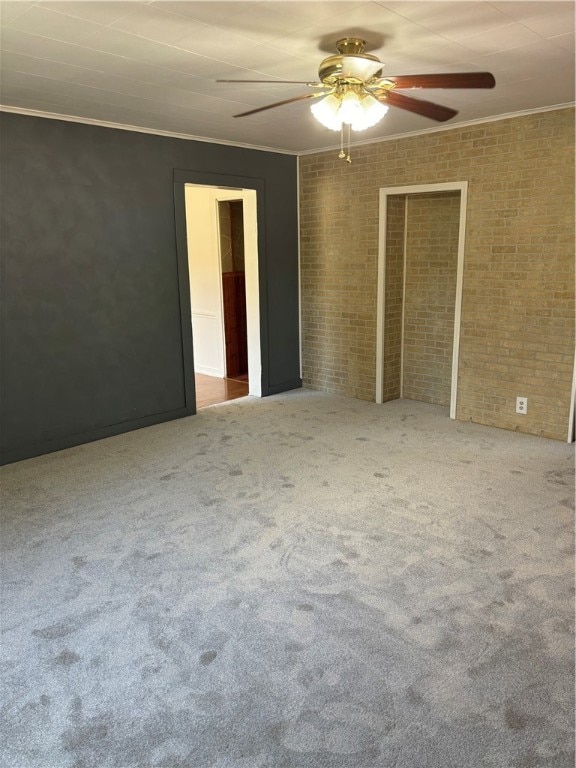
(342, 154)
(348, 158)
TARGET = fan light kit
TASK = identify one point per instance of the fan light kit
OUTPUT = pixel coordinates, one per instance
(356, 109)
(356, 96)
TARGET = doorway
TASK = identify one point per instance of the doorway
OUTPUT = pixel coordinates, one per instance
(221, 235)
(420, 268)
(210, 389)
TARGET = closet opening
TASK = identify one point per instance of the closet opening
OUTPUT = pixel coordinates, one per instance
(420, 293)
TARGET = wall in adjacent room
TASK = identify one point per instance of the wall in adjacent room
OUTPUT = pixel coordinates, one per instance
(92, 338)
(237, 232)
(225, 236)
(517, 331)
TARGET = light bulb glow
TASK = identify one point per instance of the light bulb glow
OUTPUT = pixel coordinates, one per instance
(358, 111)
(372, 112)
(326, 112)
(350, 110)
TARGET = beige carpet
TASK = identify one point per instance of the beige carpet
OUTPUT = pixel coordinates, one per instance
(305, 581)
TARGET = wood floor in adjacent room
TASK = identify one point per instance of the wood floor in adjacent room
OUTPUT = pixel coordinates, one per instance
(211, 390)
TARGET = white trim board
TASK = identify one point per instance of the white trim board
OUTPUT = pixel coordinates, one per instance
(404, 247)
(572, 398)
(441, 128)
(214, 372)
(299, 262)
(385, 192)
(139, 129)
(298, 153)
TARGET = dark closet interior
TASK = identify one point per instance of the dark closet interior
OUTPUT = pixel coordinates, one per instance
(231, 220)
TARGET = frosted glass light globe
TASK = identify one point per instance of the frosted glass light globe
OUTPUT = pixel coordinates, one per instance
(372, 111)
(326, 112)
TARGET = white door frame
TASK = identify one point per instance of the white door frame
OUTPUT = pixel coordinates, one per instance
(572, 399)
(217, 202)
(415, 189)
(249, 211)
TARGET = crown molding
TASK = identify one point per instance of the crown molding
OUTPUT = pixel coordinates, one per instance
(139, 129)
(442, 128)
(300, 153)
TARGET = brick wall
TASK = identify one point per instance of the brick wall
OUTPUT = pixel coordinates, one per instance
(430, 295)
(517, 330)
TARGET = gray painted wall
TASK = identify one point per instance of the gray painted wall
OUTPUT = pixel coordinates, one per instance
(94, 336)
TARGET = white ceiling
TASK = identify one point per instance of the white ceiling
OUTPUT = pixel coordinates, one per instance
(154, 64)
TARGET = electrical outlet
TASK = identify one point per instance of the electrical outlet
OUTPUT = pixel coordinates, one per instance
(521, 405)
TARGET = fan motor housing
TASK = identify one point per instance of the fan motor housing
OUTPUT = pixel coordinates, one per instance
(350, 64)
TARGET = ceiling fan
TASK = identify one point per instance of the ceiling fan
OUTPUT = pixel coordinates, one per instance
(356, 95)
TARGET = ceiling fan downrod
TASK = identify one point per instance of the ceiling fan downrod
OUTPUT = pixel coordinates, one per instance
(351, 45)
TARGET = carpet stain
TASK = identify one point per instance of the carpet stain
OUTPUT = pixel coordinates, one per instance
(414, 697)
(53, 632)
(208, 657)
(75, 715)
(83, 736)
(528, 760)
(560, 476)
(293, 646)
(515, 720)
(66, 658)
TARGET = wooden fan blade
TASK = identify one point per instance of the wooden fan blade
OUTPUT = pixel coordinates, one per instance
(281, 103)
(425, 108)
(448, 80)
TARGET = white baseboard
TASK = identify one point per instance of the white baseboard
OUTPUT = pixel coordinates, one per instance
(207, 371)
